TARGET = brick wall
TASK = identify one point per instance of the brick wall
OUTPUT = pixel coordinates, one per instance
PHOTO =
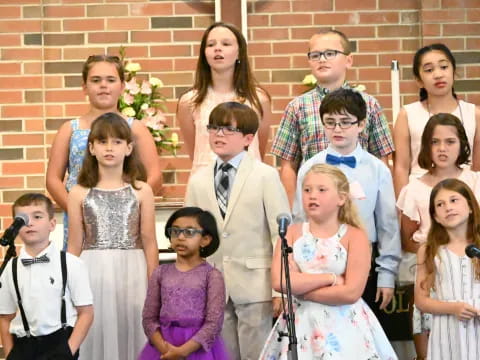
(44, 42)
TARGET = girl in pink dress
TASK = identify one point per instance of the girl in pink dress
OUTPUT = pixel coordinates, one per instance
(223, 74)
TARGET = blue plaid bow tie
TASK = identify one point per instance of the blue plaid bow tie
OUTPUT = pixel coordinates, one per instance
(29, 261)
(336, 160)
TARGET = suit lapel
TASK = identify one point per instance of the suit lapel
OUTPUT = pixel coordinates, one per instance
(240, 179)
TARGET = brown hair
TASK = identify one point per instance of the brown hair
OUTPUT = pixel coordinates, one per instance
(93, 59)
(244, 116)
(438, 236)
(244, 82)
(110, 125)
(35, 199)
(348, 213)
(425, 155)
(347, 49)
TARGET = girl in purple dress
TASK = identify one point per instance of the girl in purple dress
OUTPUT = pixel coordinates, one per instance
(183, 312)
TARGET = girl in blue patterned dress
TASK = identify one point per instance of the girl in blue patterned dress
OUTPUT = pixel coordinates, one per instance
(329, 269)
(103, 83)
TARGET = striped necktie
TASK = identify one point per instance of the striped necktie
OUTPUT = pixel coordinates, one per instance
(222, 187)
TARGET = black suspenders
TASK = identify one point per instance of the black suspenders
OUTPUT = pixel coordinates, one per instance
(63, 312)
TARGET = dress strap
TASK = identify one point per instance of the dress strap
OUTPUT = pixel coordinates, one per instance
(305, 228)
(75, 124)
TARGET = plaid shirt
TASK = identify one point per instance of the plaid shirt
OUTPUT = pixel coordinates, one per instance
(300, 134)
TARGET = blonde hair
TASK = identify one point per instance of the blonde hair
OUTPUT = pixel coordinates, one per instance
(347, 214)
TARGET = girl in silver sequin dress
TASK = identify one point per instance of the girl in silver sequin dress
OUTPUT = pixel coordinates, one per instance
(112, 226)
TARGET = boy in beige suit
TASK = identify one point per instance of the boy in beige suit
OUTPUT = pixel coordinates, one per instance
(245, 196)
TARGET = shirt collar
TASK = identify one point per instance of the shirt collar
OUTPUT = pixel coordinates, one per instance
(48, 250)
(235, 161)
(324, 91)
(357, 153)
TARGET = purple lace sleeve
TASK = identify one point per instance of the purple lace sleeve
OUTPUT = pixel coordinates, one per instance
(151, 308)
(212, 326)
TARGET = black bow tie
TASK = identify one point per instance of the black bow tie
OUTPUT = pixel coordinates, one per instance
(41, 259)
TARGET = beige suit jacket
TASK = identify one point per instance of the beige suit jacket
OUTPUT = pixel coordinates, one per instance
(249, 231)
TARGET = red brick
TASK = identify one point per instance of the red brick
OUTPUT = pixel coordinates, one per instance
(431, 29)
(10, 40)
(156, 65)
(323, 19)
(404, 59)
(374, 74)
(280, 104)
(452, 43)
(398, 31)
(289, 20)
(10, 69)
(473, 43)
(63, 11)
(33, 68)
(195, 8)
(443, 16)
(53, 81)
(108, 37)
(398, 5)
(184, 64)
(187, 35)
(81, 53)
(53, 110)
(270, 34)
(53, 53)
(383, 17)
(84, 25)
(290, 47)
(170, 50)
(378, 45)
(9, 182)
(24, 82)
(22, 139)
(73, 110)
(130, 23)
(260, 20)
(20, 111)
(358, 31)
(473, 15)
(430, 4)
(459, 4)
(464, 29)
(59, 96)
(21, 54)
(341, 5)
(11, 11)
(131, 52)
(361, 60)
(151, 9)
(23, 168)
(261, 48)
(272, 62)
(311, 5)
(277, 90)
(271, 6)
(34, 125)
(156, 36)
(471, 72)
(10, 97)
(52, 26)
(21, 26)
(300, 62)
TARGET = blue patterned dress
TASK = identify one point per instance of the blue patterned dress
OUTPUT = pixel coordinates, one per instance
(329, 332)
(76, 153)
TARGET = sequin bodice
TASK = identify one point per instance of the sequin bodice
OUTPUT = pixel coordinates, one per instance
(111, 219)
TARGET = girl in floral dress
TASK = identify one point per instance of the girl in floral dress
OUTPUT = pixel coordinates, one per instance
(329, 269)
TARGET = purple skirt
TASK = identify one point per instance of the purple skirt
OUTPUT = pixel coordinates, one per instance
(178, 336)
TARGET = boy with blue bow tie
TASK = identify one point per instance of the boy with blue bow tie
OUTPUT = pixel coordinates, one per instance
(50, 288)
(343, 113)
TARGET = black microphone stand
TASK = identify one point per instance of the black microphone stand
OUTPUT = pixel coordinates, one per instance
(11, 252)
(289, 315)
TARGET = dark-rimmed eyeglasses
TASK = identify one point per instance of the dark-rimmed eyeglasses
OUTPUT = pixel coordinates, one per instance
(174, 232)
(327, 54)
(344, 124)
(227, 130)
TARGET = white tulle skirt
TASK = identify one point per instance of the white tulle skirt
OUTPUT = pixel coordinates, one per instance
(118, 279)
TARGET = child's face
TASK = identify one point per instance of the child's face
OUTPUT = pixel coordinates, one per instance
(188, 246)
(221, 49)
(230, 145)
(110, 152)
(445, 146)
(103, 86)
(333, 71)
(451, 209)
(320, 197)
(342, 140)
(436, 73)
(36, 234)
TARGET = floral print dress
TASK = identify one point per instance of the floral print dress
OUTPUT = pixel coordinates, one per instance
(329, 332)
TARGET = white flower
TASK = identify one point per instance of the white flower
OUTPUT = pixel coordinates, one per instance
(174, 139)
(132, 67)
(129, 111)
(144, 106)
(146, 88)
(127, 98)
(156, 82)
(309, 80)
(132, 86)
(359, 88)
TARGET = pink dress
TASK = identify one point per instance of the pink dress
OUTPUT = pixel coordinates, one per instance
(203, 155)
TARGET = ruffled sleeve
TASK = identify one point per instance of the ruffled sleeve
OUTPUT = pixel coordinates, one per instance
(407, 202)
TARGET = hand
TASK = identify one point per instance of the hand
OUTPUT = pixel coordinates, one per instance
(340, 280)
(173, 353)
(277, 306)
(386, 294)
(465, 311)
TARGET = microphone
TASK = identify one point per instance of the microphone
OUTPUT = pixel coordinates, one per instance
(283, 220)
(11, 233)
(472, 251)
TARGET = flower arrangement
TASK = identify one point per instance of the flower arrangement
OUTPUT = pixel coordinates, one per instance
(310, 81)
(143, 101)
